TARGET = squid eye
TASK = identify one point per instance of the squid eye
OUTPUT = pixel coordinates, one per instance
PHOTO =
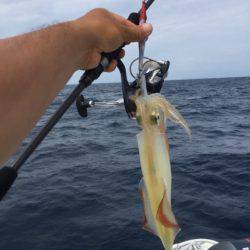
(155, 119)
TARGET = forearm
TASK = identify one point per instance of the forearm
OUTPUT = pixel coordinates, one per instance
(34, 67)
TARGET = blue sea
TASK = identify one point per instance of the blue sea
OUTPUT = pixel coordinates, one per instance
(79, 190)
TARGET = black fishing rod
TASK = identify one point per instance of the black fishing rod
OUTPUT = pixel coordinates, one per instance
(149, 3)
(9, 174)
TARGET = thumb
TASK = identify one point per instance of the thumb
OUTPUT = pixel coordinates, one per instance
(137, 33)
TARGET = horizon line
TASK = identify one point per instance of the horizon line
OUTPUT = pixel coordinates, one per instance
(173, 80)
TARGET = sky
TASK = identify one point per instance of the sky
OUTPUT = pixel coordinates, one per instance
(201, 38)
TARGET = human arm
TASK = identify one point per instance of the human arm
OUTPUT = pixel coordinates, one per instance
(35, 66)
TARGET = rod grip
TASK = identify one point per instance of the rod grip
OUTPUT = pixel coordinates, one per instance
(7, 178)
(134, 18)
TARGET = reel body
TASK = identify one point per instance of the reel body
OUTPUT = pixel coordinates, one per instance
(155, 73)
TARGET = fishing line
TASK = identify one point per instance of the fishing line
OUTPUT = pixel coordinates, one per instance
(135, 60)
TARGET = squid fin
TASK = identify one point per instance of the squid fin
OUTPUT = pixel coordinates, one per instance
(174, 115)
(148, 223)
(165, 214)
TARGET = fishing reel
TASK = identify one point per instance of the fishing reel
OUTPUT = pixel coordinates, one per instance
(155, 73)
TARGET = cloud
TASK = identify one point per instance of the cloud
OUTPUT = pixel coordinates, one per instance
(201, 38)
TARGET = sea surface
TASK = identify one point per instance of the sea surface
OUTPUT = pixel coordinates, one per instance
(79, 190)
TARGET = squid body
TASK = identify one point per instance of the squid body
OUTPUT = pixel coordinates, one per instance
(155, 186)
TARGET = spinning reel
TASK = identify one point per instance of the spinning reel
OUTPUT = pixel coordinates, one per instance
(155, 73)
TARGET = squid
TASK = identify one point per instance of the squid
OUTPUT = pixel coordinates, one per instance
(152, 113)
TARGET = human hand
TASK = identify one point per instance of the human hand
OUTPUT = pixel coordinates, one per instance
(104, 31)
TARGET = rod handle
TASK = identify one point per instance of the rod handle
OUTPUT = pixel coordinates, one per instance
(7, 178)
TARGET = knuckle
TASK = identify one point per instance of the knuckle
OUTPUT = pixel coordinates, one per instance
(100, 11)
(132, 34)
(126, 33)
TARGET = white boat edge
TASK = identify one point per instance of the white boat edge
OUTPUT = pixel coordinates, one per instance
(195, 244)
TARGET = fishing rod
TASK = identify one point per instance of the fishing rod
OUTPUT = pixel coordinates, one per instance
(9, 174)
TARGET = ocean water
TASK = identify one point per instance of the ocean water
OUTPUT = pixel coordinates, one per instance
(80, 188)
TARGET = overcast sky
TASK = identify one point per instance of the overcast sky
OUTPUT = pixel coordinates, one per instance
(201, 38)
